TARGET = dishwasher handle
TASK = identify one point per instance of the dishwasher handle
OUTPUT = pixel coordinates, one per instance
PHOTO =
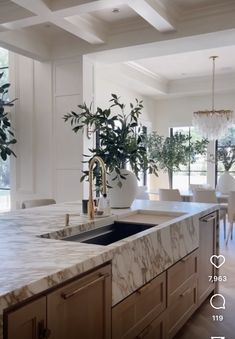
(208, 218)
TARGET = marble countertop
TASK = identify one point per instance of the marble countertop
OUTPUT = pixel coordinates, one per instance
(31, 263)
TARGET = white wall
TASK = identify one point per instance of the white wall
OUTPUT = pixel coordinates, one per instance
(178, 112)
(49, 153)
(105, 85)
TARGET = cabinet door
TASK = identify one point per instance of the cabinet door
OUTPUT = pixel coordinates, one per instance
(28, 321)
(207, 247)
(181, 292)
(82, 309)
(137, 311)
(156, 330)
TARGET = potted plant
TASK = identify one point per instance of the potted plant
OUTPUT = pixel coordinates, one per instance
(226, 156)
(6, 134)
(121, 141)
(169, 153)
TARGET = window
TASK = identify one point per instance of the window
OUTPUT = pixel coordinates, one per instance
(4, 165)
(221, 144)
(195, 173)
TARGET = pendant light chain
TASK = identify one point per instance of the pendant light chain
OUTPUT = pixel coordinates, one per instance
(213, 82)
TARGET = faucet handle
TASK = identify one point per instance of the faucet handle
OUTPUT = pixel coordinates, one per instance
(67, 217)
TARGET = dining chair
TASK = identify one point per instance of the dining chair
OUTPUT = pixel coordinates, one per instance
(193, 187)
(231, 214)
(37, 203)
(168, 194)
(209, 196)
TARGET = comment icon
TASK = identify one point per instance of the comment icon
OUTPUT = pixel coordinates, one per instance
(217, 301)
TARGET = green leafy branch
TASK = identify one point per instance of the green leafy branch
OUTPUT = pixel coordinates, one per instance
(6, 133)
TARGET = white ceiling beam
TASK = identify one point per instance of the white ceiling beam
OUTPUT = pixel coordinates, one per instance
(35, 6)
(89, 7)
(22, 23)
(92, 29)
(127, 75)
(166, 47)
(86, 29)
(27, 43)
(154, 13)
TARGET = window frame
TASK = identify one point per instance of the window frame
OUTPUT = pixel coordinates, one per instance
(189, 171)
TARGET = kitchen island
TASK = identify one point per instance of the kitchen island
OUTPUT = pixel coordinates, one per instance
(35, 260)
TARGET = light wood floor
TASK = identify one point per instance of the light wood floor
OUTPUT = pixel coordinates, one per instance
(201, 325)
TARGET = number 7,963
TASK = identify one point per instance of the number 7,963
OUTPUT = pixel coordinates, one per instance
(215, 278)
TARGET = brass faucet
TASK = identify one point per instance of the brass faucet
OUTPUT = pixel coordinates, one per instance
(90, 206)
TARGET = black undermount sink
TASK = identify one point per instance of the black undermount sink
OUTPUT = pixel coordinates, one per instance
(111, 233)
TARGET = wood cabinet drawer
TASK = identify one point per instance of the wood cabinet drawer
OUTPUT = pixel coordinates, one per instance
(180, 273)
(134, 313)
(82, 309)
(183, 304)
(155, 330)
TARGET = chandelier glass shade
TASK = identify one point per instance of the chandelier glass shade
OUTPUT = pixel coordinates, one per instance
(212, 124)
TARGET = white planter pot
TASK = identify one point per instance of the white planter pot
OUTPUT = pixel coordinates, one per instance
(226, 183)
(122, 197)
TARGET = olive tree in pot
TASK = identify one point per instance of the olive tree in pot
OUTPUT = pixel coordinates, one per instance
(121, 142)
(6, 133)
(169, 153)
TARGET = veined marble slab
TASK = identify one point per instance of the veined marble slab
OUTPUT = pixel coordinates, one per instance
(31, 264)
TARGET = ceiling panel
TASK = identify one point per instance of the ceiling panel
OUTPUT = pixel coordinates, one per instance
(11, 12)
(193, 64)
(185, 5)
(110, 16)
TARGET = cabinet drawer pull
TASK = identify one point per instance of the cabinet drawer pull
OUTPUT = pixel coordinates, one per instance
(213, 217)
(93, 282)
(185, 292)
(145, 287)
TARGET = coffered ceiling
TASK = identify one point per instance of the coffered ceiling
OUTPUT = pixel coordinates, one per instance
(92, 21)
(163, 41)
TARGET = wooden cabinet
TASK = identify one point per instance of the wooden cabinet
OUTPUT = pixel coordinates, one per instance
(131, 316)
(181, 292)
(28, 322)
(207, 247)
(79, 309)
(82, 307)
(155, 330)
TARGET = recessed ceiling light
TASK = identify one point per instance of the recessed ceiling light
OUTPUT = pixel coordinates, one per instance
(116, 10)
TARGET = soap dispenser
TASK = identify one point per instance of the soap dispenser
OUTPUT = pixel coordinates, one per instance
(104, 205)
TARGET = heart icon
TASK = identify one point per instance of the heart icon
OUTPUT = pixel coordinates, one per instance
(217, 260)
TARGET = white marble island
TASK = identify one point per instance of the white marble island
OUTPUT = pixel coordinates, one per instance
(31, 264)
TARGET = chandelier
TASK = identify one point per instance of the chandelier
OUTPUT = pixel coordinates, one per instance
(212, 124)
